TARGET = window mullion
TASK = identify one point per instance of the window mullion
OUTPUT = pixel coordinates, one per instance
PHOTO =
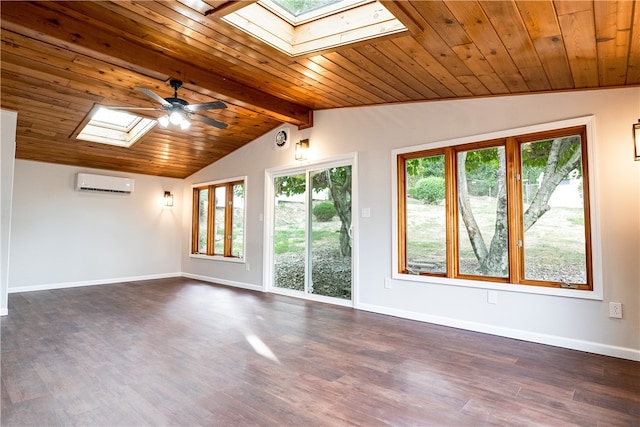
(402, 214)
(228, 219)
(195, 215)
(515, 241)
(451, 207)
(211, 210)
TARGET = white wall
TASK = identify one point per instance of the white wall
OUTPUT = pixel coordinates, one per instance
(63, 237)
(239, 163)
(374, 131)
(8, 122)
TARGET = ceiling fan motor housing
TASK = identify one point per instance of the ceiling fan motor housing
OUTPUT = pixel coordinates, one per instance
(177, 102)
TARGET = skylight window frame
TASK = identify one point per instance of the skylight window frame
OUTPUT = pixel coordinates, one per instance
(111, 133)
(113, 125)
(365, 20)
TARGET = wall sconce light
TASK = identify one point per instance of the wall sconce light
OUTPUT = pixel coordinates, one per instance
(636, 139)
(168, 199)
(302, 147)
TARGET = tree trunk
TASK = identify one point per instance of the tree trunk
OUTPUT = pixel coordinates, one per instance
(493, 261)
(496, 261)
(340, 191)
(464, 206)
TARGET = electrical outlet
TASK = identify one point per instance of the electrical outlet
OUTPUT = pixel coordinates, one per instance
(247, 267)
(615, 310)
(387, 283)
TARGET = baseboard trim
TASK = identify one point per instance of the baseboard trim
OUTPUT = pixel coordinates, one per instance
(50, 286)
(224, 282)
(556, 341)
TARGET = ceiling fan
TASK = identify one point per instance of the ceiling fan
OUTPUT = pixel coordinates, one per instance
(178, 110)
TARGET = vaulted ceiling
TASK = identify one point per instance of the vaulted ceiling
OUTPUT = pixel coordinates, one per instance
(59, 59)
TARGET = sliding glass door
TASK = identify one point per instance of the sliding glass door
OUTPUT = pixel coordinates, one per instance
(311, 248)
(289, 232)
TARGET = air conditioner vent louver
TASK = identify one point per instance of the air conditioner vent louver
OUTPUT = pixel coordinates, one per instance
(103, 190)
(103, 183)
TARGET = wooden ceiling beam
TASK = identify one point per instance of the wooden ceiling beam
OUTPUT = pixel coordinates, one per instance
(60, 30)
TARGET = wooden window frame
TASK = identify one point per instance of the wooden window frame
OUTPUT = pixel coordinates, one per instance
(211, 211)
(512, 145)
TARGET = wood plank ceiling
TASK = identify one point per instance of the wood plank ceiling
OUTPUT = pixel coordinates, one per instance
(58, 59)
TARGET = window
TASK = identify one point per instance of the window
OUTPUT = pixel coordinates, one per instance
(299, 28)
(512, 210)
(218, 219)
(298, 12)
(113, 127)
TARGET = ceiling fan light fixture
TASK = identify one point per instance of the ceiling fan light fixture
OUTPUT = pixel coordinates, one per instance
(176, 117)
(164, 121)
(184, 125)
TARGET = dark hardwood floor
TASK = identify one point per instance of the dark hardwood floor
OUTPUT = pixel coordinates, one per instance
(182, 352)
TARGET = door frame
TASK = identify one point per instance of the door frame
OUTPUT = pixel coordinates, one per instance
(268, 247)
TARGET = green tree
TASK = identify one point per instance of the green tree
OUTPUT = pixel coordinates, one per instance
(324, 211)
(424, 167)
(298, 7)
(338, 181)
(558, 157)
(431, 190)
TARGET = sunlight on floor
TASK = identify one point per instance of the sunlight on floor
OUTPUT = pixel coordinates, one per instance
(260, 347)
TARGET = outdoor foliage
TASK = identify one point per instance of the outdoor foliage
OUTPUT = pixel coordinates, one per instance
(324, 211)
(430, 190)
(298, 7)
(338, 181)
(426, 166)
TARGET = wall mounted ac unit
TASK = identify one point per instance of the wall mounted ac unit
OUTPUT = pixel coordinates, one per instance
(109, 184)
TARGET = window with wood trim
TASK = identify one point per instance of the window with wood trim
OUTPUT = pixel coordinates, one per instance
(512, 210)
(218, 219)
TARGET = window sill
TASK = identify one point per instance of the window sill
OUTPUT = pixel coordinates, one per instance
(595, 294)
(218, 258)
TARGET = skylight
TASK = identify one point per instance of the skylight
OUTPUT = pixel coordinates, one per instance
(115, 119)
(300, 7)
(299, 27)
(114, 127)
(300, 11)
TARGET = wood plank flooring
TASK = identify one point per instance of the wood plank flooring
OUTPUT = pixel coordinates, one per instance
(182, 352)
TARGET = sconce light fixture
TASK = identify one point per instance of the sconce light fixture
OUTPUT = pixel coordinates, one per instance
(168, 199)
(302, 147)
(636, 139)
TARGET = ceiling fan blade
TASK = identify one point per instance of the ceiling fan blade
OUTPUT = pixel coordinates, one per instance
(209, 121)
(133, 108)
(215, 105)
(154, 96)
